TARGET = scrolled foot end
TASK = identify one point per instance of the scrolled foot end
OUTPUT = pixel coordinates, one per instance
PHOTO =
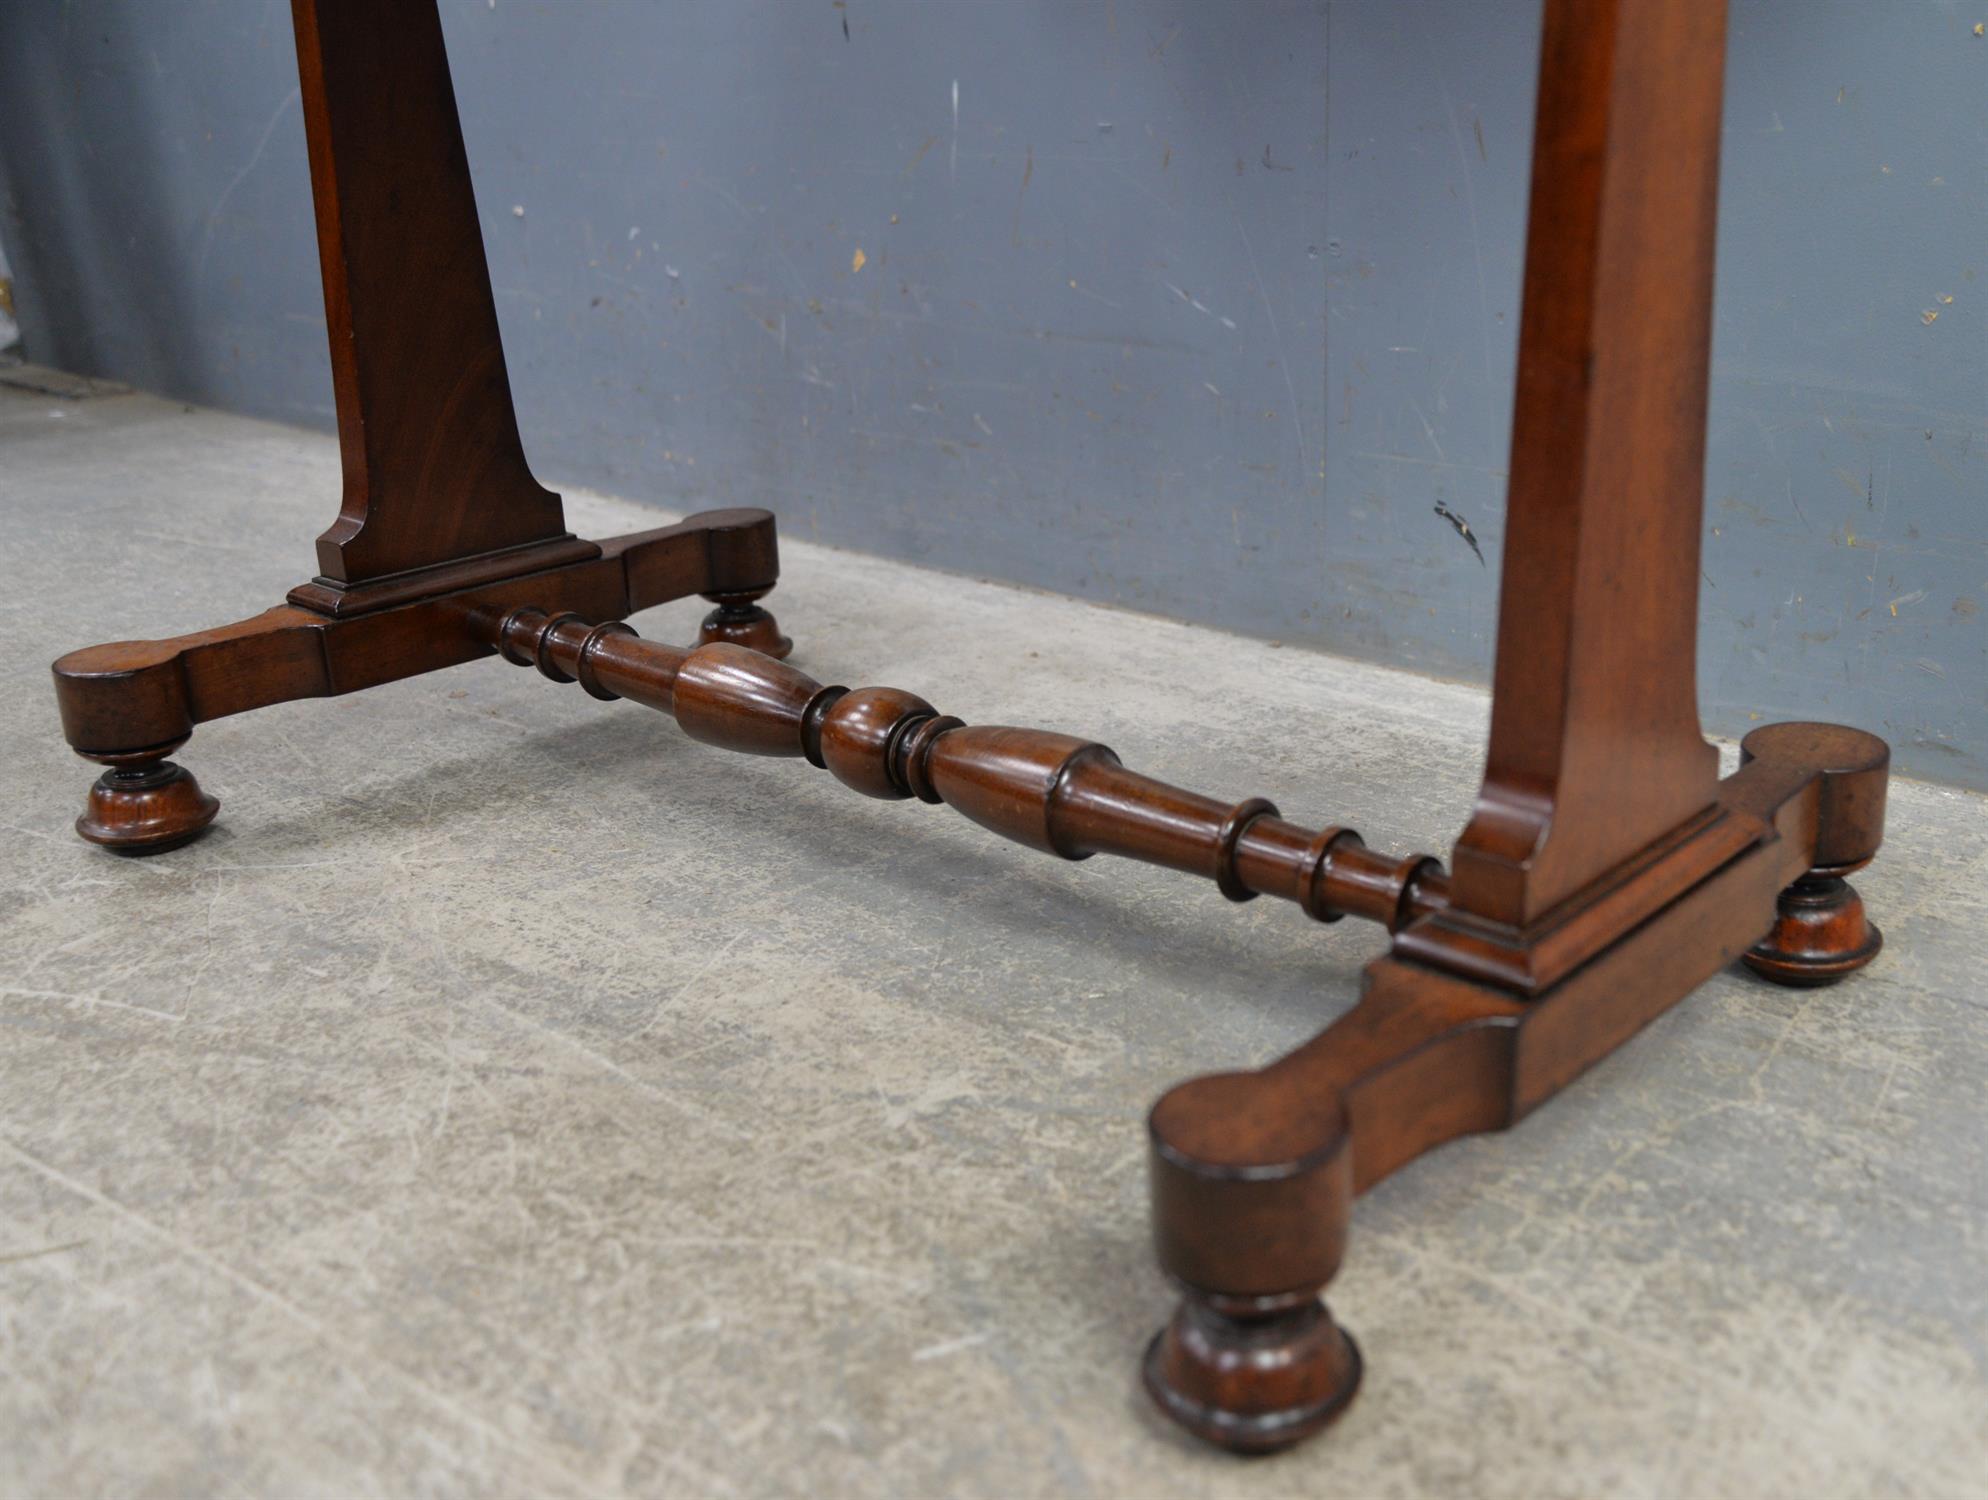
(1252, 1378)
(740, 619)
(1820, 934)
(145, 804)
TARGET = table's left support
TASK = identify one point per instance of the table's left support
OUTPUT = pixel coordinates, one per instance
(128, 705)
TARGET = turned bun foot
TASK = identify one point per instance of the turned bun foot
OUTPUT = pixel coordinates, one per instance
(1251, 1200)
(1820, 933)
(145, 804)
(742, 621)
(1251, 1379)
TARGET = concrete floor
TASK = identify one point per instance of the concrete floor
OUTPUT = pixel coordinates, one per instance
(511, 1096)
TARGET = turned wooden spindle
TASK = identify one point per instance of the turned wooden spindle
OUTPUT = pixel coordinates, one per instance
(1054, 792)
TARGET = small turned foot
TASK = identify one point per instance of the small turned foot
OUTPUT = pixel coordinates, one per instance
(145, 804)
(741, 620)
(1251, 1378)
(1820, 933)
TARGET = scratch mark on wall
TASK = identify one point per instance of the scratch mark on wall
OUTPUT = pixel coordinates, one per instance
(1793, 503)
(221, 202)
(1096, 297)
(1028, 171)
(1196, 303)
(1430, 431)
(1470, 208)
(1283, 363)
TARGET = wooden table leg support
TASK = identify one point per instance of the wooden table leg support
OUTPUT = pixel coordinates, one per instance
(130, 704)
(1605, 870)
(1253, 1174)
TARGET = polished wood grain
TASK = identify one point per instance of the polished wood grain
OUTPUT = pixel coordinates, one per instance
(434, 470)
(131, 696)
(1595, 745)
(1254, 1173)
(1603, 874)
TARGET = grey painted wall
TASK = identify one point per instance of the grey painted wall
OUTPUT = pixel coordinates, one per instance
(1197, 308)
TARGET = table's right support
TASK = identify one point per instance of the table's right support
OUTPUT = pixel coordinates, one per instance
(1605, 871)
(1254, 1174)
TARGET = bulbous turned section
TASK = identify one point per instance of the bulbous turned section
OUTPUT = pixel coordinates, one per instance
(740, 619)
(1249, 1377)
(1053, 792)
(1820, 934)
(145, 804)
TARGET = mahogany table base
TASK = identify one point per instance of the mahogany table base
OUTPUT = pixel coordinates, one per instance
(1605, 872)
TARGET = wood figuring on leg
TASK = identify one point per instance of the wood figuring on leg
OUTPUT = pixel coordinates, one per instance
(1605, 872)
(439, 511)
(1595, 746)
(437, 491)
